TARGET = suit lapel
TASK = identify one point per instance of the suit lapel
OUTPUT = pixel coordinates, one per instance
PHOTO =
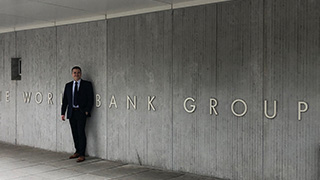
(70, 90)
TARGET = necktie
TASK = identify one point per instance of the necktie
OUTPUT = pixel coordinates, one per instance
(76, 92)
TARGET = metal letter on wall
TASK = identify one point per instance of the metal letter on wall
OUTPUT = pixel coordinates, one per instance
(38, 94)
(7, 96)
(98, 100)
(150, 105)
(27, 97)
(306, 107)
(213, 106)
(193, 107)
(113, 102)
(274, 109)
(50, 97)
(245, 107)
(133, 103)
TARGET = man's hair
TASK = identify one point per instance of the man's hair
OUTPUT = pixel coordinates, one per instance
(76, 67)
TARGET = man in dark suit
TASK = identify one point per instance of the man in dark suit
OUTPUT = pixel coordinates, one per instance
(78, 101)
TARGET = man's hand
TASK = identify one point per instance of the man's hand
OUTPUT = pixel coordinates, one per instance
(63, 118)
(87, 113)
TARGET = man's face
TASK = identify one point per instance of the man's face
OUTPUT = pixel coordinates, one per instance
(76, 74)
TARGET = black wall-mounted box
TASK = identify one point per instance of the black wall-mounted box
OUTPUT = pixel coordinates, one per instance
(15, 68)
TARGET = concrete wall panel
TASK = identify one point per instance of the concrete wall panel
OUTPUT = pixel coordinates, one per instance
(8, 109)
(218, 57)
(139, 64)
(291, 71)
(194, 75)
(239, 50)
(36, 122)
(84, 45)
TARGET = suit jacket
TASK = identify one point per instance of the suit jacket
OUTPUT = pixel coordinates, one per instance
(85, 98)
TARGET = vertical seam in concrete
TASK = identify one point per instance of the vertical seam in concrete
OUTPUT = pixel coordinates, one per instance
(16, 118)
(216, 85)
(172, 84)
(57, 101)
(3, 64)
(106, 60)
(16, 89)
(263, 93)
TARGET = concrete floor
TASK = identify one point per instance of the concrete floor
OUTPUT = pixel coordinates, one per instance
(26, 163)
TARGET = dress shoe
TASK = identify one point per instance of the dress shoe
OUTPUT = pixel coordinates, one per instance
(81, 158)
(75, 155)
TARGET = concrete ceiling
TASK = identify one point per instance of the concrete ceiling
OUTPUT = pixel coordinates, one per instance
(18, 15)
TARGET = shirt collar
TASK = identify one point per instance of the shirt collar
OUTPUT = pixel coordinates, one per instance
(77, 81)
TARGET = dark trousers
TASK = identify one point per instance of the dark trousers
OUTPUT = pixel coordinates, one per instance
(78, 124)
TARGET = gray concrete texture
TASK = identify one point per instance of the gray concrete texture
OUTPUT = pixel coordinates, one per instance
(139, 64)
(253, 50)
(8, 112)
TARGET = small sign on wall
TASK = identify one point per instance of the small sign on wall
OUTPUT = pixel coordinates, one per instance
(15, 68)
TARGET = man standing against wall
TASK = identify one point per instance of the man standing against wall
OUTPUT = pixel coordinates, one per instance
(78, 101)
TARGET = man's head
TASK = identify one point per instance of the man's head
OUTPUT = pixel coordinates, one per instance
(76, 73)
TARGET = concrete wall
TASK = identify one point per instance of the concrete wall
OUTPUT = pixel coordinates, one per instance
(253, 50)
(218, 54)
(8, 114)
(36, 122)
(140, 64)
(291, 74)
